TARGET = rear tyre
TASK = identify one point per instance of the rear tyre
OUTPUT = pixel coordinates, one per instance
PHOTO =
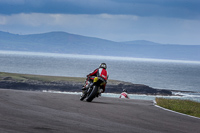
(93, 94)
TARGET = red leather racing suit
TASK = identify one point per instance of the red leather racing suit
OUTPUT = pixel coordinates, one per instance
(101, 73)
(124, 95)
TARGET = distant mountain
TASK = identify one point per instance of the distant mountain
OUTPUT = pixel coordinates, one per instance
(62, 42)
(140, 42)
(59, 42)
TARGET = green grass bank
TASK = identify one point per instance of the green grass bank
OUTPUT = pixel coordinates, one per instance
(183, 106)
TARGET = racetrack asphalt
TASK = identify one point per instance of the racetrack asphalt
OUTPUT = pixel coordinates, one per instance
(42, 112)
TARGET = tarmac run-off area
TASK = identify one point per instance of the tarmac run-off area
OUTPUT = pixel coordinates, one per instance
(42, 112)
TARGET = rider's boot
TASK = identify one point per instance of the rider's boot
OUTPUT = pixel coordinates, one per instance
(99, 92)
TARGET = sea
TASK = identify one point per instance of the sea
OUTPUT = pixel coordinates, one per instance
(181, 76)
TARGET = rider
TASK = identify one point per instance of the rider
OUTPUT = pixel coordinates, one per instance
(124, 94)
(101, 73)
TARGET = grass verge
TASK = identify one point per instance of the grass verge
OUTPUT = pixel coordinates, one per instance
(183, 106)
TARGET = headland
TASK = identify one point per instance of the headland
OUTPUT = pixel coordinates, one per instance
(70, 84)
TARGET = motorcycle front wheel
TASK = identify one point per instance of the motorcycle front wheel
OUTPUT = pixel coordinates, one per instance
(82, 97)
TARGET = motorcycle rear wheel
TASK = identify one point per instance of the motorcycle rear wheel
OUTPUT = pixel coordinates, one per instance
(93, 94)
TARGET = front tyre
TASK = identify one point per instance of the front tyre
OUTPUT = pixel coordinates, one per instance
(82, 97)
(93, 94)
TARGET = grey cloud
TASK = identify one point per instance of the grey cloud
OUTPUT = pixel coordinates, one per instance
(188, 9)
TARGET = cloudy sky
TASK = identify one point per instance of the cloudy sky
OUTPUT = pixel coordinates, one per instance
(161, 21)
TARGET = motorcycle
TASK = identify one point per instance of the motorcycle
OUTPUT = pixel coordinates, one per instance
(94, 89)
